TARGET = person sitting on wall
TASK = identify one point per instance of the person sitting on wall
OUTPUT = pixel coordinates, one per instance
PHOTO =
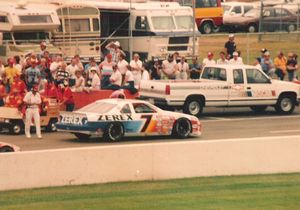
(115, 79)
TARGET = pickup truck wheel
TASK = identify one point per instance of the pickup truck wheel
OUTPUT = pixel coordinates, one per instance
(206, 28)
(258, 109)
(114, 132)
(6, 149)
(82, 136)
(182, 128)
(15, 129)
(193, 107)
(285, 104)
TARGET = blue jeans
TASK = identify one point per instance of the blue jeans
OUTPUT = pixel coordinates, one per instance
(291, 75)
(279, 74)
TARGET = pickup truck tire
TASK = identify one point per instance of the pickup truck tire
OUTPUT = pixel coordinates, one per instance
(114, 132)
(82, 136)
(258, 109)
(182, 128)
(193, 106)
(206, 27)
(285, 104)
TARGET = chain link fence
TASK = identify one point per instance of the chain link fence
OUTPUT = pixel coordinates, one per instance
(250, 44)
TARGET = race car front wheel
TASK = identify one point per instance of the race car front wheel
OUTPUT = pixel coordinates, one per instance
(114, 132)
(6, 149)
(182, 128)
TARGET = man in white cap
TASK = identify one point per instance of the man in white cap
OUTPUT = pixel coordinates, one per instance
(209, 60)
(136, 66)
(114, 49)
(230, 46)
(236, 60)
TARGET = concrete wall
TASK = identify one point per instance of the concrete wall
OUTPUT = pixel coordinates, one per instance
(115, 163)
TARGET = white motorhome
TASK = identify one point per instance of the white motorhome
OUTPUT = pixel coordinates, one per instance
(23, 27)
(157, 28)
(69, 27)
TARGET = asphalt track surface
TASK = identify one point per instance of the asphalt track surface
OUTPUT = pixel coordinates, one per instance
(218, 124)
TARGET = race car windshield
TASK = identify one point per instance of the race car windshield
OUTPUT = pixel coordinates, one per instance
(98, 108)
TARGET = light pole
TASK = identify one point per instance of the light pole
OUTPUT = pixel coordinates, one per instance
(194, 30)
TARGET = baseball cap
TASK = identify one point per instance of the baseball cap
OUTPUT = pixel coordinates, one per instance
(93, 69)
(210, 54)
(267, 53)
(109, 56)
(231, 35)
(235, 54)
(10, 61)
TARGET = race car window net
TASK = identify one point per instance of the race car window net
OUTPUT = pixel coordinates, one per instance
(142, 108)
(98, 108)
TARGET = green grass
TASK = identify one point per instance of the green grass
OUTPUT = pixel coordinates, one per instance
(236, 192)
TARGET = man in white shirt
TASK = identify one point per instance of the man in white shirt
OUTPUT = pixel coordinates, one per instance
(122, 65)
(222, 59)
(95, 85)
(55, 65)
(183, 68)
(115, 79)
(72, 68)
(209, 60)
(236, 60)
(136, 69)
(169, 68)
(129, 82)
(32, 100)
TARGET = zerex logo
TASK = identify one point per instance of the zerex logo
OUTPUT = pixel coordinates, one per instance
(71, 119)
(117, 117)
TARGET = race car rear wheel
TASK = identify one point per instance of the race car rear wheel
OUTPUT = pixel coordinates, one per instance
(114, 132)
(6, 149)
(285, 104)
(258, 109)
(193, 106)
(182, 128)
(82, 136)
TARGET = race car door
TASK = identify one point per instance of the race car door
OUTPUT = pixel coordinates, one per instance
(146, 115)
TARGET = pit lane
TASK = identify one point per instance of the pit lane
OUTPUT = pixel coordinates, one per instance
(218, 124)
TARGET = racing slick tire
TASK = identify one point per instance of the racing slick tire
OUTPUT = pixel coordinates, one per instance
(51, 127)
(114, 132)
(285, 104)
(258, 109)
(182, 128)
(82, 136)
(193, 106)
(6, 149)
(16, 129)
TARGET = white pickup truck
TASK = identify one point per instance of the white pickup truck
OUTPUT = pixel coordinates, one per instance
(223, 86)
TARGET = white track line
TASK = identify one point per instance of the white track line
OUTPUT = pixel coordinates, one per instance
(165, 143)
(285, 131)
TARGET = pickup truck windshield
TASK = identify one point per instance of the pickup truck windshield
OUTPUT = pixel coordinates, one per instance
(212, 73)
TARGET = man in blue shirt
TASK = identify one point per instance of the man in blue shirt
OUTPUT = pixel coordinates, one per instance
(32, 74)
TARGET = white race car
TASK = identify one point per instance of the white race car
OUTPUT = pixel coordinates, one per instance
(113, 119)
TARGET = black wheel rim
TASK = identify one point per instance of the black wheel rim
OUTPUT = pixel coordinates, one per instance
(115, 132)
(184, 128)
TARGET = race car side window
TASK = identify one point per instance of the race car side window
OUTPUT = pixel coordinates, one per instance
(238, 77)
(254, 76)
(126, 109)
(142, 108)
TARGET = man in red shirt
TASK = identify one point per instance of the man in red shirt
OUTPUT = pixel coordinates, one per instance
(14, 99)
(68, 99)
(2, 92)
(19, 85)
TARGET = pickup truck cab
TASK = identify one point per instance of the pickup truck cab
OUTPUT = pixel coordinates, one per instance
(223, 86)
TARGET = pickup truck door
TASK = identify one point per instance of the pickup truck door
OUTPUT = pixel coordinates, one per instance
(251, 87)
(215, 86)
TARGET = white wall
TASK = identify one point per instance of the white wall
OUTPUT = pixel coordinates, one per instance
(115, 163)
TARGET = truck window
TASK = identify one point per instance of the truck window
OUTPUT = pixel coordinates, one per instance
(254, 76)
(77, 25)
(141, 23)
(238, 77)
(237, 10)
(214, 74)
(247, 8)
(163, 23)
(184, 22)
(3, 19)
(206, 3)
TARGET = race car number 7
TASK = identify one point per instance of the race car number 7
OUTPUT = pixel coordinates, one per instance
(148, 120)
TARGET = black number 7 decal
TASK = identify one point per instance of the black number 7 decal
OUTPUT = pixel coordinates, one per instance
(148, 119)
